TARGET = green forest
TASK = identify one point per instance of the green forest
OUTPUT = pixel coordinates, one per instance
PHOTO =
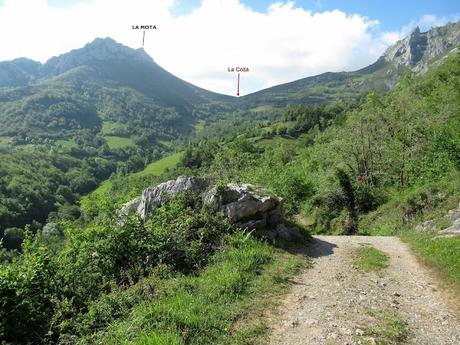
(374, 164)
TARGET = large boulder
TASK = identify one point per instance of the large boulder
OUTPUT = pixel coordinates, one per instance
(454, 230)
(244, 205)
(454, 214)
(152, 197)
(451, 231)
(427, 226)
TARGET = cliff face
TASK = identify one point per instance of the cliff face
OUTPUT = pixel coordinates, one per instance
(419, 48)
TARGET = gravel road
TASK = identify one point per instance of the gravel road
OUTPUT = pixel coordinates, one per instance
(334, 303)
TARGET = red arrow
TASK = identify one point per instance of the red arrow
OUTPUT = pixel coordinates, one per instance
(238, 91)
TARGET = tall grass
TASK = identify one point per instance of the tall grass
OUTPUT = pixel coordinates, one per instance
(209, 308)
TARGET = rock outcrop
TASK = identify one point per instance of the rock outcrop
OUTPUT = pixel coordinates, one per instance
(427, 226)
(152, 197)
(452, 231)
(244, 205)
(419, 48)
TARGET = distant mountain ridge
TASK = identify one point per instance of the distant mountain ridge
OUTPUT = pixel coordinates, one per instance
(120, 83)
(414, 52)
(109, 60)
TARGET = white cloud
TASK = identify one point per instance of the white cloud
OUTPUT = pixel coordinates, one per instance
(283, 44)
(427, 21)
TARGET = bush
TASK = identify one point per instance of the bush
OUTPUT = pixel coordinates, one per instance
(27, 291)
(81, 287)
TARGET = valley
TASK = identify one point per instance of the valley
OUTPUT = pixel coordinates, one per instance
(316, 217)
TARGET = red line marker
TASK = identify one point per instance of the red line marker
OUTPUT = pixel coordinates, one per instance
(238, 91)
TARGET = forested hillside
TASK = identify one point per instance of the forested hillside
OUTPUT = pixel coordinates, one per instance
(108, 109)
(333, 164)
(70, 123)
(345, 161)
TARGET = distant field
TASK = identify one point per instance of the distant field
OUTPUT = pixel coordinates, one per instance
(108, 127)
(158, 167)
(165, 143)
(277, 140)
(118, 142)
(262, 108)
(4, 141)
(66, 143)
(155, 168)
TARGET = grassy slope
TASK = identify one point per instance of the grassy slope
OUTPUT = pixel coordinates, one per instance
(222, 305)
(115, 142)
(156, 168)
(66, 143)
(441, 254)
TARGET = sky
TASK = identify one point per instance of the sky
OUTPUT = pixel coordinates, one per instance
(198, 40)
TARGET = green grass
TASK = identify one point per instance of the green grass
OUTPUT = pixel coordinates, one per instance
(276, 141)
(166, 143)
(4, 141)
(199, 126)
(115, 142)
(109, 127)
(225, 304)
(66, 143)
(386, 328)
(442, 253)
(103, 188)
(367, 259)
(158, 167)
(262, 108)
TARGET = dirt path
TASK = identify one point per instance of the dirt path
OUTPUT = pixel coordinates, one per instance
(333, 303)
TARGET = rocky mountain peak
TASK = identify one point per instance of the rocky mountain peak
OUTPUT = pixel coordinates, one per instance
(101, 50)
(419, 48)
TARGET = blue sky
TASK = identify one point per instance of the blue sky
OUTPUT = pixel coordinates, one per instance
(198, 40)
(393, 15)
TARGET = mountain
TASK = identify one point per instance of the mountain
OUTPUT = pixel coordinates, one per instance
(108, 84)
(418, 49)
(19, 72)
(415, 52)
(130, 67)
(108, 60)
(102, 83)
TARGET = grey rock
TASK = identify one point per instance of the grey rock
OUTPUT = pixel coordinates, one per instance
(244, 205)
(130, 206)
(453, 230)
(240, 201)
(419, 48)
(454, 214)
(429, 225)
(289, 234)
(152, 197)
(101, 50)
